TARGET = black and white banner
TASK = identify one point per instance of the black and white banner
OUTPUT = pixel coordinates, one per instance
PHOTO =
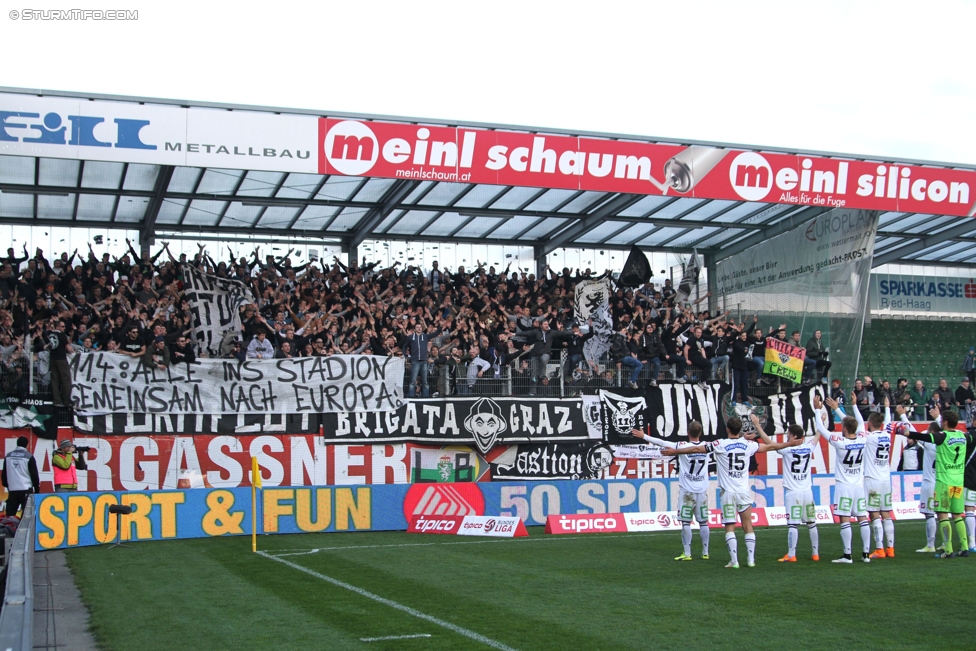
(792, 407)
(484, 422)
(215, 304)
(666, 409)
(188, 424)
(112, 383)
(552, 461)
(592, 301)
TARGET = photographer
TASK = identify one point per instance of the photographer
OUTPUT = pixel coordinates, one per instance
(19, 476)
(65, 469)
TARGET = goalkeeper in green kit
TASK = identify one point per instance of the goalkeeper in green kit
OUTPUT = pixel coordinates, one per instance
(950, 463)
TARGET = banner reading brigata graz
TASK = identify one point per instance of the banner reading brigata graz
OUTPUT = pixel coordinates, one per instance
(60, 127)
(107, 383)
(481, 421)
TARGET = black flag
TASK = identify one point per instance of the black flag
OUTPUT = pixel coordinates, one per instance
(637, 269)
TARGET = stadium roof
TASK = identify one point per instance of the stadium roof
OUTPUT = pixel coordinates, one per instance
(81, 161)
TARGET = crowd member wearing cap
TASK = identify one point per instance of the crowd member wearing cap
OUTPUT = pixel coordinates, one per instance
(157, 355)
(236, 352)
(63, 463)
(964, 399)
(19, 476)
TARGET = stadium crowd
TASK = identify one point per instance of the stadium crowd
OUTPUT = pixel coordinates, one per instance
(468, 326)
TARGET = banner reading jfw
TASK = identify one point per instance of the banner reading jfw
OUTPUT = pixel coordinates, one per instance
(111, 383)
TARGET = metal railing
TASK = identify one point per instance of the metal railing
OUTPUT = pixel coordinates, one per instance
(17, 614)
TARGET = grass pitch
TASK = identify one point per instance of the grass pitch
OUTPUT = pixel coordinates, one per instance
(615, 591)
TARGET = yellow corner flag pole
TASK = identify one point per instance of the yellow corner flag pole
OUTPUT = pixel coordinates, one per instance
(255, 485)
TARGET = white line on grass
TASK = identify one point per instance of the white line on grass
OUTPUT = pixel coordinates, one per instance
(392, 637)
(315, 550)
(477, 637)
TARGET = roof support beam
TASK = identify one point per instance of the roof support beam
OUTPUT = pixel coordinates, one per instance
(147, 230)
(770, 231)
(394, 195)
(611, 207)
(920, 244)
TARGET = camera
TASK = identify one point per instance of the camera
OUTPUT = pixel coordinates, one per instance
(82, 448)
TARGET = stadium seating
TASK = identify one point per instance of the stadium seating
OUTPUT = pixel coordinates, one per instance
(916, 349)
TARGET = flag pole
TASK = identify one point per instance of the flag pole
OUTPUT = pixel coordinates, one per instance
(255, 485)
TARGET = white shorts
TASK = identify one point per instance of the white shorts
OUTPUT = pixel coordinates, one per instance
(926, 500)
(878, 494)
(800, 506)
(692, 506)
(733, 504)
(970, 498)
(849, 500)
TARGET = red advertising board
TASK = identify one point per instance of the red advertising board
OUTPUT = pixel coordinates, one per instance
(468, 155)
(205, 461)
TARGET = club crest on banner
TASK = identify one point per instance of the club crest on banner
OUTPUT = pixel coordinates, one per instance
(485, 423)
(622, 413)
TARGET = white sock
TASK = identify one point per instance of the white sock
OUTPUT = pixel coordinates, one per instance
(814, 538)
(845, 537)
(865, 536)
(751, 546)
(889, 532)
(877, 531)
(705, 533)
(791, 536)
(733, 546)
(686, 537)
(930, 527)
(971, 527)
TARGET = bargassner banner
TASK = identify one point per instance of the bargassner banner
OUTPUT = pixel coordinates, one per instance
(825, 243)
(112, 383)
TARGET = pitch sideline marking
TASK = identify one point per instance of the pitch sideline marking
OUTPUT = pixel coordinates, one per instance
(315, 550)
(393, 637)
(477, 637)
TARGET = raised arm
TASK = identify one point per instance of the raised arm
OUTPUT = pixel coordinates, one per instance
(653, 440)
(691, 449)
(759, 430)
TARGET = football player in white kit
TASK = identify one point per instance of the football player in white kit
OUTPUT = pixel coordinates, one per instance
(849, 501)
(732, 461)
(800, 505)
(877, 481)
(692, 487)
(926, 500)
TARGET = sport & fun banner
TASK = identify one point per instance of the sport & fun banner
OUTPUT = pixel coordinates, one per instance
(784, 360)
(112, 383)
